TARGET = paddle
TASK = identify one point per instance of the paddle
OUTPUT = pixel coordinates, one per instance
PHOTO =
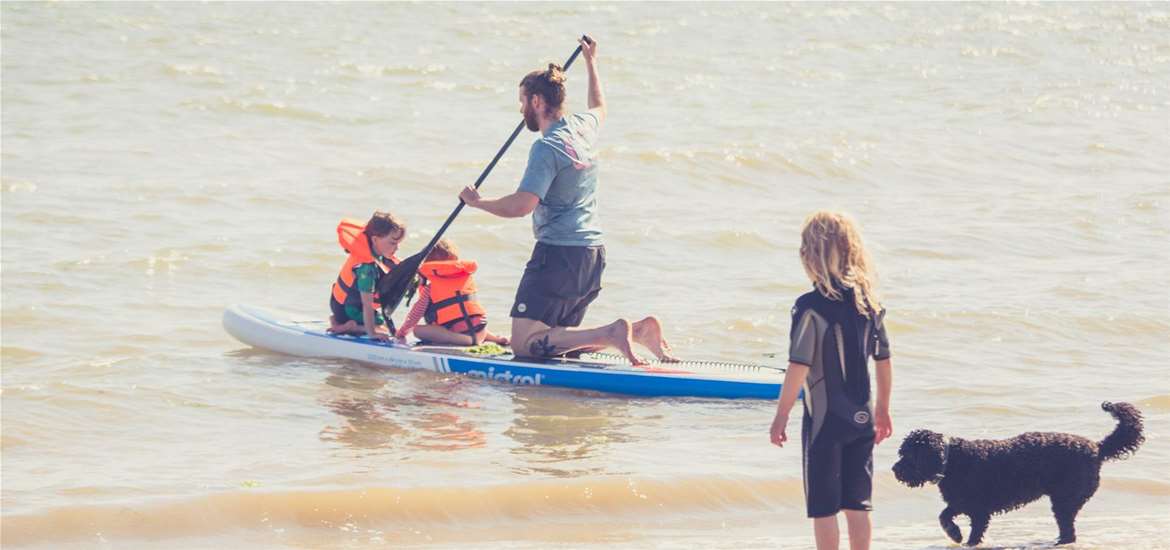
(394, 285)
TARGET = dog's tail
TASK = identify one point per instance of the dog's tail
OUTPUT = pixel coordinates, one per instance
(1126, 437)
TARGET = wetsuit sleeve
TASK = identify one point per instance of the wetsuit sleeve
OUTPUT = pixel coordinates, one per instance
(802, 346)
(881, 348)
(367, 277)
(541, 170)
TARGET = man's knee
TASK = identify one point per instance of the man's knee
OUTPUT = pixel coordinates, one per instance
(525, 333)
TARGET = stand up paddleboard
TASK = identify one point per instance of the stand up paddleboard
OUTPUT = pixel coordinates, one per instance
(284, 333)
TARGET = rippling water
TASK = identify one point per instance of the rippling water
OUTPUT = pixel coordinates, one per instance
(161, 161)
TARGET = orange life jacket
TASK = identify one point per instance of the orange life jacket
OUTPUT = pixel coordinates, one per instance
(353, 239)
(452, 290)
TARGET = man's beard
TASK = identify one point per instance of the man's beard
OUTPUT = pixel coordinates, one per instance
(530, 119)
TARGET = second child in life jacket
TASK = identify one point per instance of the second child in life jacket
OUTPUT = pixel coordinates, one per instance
(446, 299)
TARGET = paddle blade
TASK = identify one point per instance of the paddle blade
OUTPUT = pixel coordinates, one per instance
(395, 284)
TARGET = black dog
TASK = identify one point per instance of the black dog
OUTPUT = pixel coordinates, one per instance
(984, 477)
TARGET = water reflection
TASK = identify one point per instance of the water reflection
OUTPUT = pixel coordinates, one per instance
(555, 433)
(385, 410)
(564, 434)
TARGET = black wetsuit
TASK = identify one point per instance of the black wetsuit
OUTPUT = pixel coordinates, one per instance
(835, 342)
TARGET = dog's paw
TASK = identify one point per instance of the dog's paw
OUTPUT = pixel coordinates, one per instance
(953, 532)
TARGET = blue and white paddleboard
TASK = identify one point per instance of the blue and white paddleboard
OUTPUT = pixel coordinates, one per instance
(287, 334)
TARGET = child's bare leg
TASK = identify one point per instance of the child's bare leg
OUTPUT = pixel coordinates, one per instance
(826, 533)
(859, 529)
(648, 332)
(439, 335)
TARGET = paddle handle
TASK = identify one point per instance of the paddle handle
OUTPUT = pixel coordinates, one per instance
(499, 154)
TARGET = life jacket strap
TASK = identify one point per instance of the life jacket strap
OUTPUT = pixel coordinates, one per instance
(456, 299)
(466, 318)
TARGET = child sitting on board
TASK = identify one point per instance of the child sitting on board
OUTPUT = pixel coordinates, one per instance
(354, 301)
(446, 299)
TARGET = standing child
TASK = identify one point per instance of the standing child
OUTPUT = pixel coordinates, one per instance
(446, 299)
(835, 329)
(371, 248)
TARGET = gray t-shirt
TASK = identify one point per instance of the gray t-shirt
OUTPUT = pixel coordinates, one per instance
(562, 172)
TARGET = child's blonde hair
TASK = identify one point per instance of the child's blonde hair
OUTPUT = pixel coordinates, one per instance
(833, 256)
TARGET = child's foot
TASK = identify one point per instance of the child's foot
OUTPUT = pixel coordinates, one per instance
(347, 327)
(501, 340)
(648, 332)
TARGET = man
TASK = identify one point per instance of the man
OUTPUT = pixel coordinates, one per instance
(559, 189)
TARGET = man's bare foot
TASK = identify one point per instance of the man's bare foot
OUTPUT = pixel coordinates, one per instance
(648, 332)
(621, 337)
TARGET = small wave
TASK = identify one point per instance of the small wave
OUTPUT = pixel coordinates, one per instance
(30, 317)
(927, 254)
(15, 353)
(97, 78)
(662, 156)
(987, 410)
(168, 261)
(972, 51)
(1149, 487)
(20, 187)
(373, 70)
(10, 441)
(193, 70)
(277, 109)
(834, 159)
(1109, 150)
(740, 239)
(1127, 325)
(759, 325)
(388, 506)
(1160, 403)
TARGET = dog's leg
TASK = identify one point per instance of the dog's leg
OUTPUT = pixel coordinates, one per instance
(1065, 509)
(947, 520)
(979, 521)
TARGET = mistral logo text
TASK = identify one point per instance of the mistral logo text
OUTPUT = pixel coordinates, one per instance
(505, 376)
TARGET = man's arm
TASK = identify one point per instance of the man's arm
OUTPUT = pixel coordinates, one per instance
(596, 97)
(516, 205)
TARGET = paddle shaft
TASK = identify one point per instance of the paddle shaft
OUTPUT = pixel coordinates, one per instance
(490, 166)
(398, 280)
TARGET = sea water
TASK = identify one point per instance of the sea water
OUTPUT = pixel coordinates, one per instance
(161, 161)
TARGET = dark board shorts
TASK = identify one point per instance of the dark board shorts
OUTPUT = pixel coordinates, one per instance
(559, 283)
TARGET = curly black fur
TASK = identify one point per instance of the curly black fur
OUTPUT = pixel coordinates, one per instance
(983, 477)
